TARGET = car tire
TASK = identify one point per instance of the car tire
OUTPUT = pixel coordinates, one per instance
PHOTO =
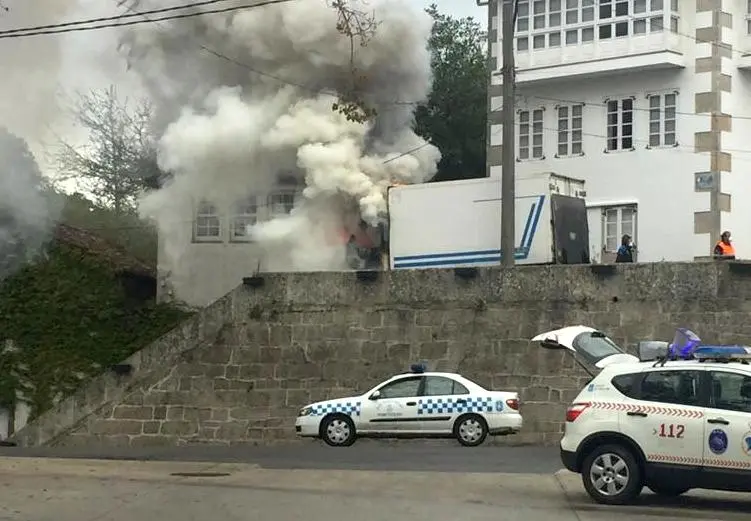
(611, 475)
(338, 430)
(470, 430)
(668, 490)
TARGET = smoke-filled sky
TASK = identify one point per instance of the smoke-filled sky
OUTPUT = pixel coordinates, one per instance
(41, 73)
(226, 131)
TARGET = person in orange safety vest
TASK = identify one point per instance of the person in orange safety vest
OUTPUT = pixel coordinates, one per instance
(724, 248)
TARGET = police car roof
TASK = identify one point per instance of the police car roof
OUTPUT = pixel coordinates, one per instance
(428, 373)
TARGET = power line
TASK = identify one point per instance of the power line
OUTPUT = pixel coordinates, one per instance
(646, 18)
(677, 147)
(144, 21)
(111, 18)
(636, 109)
(259, 72)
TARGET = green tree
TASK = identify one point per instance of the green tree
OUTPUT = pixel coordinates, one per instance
(454, 117)
(138, 237)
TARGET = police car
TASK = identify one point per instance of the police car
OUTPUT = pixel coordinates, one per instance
(415, 404)
(675, 418)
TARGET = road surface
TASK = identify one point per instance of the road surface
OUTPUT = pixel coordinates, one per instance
(406, 455)
(373, 481)
(85, 490)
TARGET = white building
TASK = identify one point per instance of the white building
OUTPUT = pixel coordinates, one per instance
(220, 252)
(648, 101)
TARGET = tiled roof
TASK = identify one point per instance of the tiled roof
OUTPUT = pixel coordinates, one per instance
(115, 255)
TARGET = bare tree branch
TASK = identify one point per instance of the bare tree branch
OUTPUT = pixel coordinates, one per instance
(120, 160)
(360, 27)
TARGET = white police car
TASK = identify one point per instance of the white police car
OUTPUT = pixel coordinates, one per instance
(677, 417)
(416, 404)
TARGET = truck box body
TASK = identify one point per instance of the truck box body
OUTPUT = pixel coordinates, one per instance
(458, 223)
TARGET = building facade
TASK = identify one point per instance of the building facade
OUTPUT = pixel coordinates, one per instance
(216, 250)
(220, 251)
(646, 101)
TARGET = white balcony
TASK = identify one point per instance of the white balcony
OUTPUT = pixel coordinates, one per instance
(598, 58)
(600, 47)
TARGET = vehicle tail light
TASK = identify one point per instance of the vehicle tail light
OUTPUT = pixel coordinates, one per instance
(575, 410)
(513, 403)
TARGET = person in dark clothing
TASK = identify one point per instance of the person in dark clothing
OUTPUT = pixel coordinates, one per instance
(626, 251)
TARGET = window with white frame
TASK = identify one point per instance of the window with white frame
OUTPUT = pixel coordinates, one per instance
(281, 201)
(245, 215)
(648, 16)
(620, 124)
(552, 23)
(662, 120)
(208, 223)
(674, 16)
(617, 221)
(530, 134)
(570, 130)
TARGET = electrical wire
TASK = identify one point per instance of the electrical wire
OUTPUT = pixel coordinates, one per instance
(259, 72)
(144, 21)
(635, 109)
(677, 148)
(111, 18)
(646, 17)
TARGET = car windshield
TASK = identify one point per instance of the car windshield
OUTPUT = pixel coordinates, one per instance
(594, 346)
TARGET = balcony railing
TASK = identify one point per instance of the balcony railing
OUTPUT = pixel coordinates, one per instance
(609, 39)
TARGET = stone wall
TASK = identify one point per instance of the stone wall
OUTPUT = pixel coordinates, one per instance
(240, 371)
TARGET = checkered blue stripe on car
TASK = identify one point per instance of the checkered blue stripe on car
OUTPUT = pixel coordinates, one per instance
(450, 405)
(350, 408)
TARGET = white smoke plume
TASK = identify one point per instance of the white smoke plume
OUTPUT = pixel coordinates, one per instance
(30, 69)
(27, 211)
(229, 127)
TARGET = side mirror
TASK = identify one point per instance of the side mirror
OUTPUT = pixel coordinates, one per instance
(375, 395)
(653, 350)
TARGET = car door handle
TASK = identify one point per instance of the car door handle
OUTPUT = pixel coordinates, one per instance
(461, 400)
(721, 421)
(637, 413)
(411, 403)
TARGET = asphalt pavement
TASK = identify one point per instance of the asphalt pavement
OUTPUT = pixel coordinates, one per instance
(402, 455)
(95, 490)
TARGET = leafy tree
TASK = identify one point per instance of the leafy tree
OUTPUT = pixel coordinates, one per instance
(138, 237)
(454, 117)
(120, 159)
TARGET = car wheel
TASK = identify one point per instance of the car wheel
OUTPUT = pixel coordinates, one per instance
(470, 430)
(338, 430)
(611, 475)
(667, 490)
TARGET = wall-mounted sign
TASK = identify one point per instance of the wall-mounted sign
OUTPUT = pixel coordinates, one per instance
(704, 181)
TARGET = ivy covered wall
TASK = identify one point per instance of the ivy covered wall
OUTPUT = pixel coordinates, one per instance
(66, 318)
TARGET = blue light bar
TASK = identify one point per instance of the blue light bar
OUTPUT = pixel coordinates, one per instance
(417, 368)
(722, 353)
(684, 344)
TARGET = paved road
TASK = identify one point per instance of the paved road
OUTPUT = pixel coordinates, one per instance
(81, 490)
(406, 455)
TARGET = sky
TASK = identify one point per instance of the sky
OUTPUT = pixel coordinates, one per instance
(460, 8)
(41, 74)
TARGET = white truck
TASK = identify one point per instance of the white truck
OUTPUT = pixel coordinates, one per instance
(458, 223)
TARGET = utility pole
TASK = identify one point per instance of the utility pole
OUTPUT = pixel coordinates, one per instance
(508, 191)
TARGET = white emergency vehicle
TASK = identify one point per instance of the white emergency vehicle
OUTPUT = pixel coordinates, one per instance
(676, 418)
(415, 404)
